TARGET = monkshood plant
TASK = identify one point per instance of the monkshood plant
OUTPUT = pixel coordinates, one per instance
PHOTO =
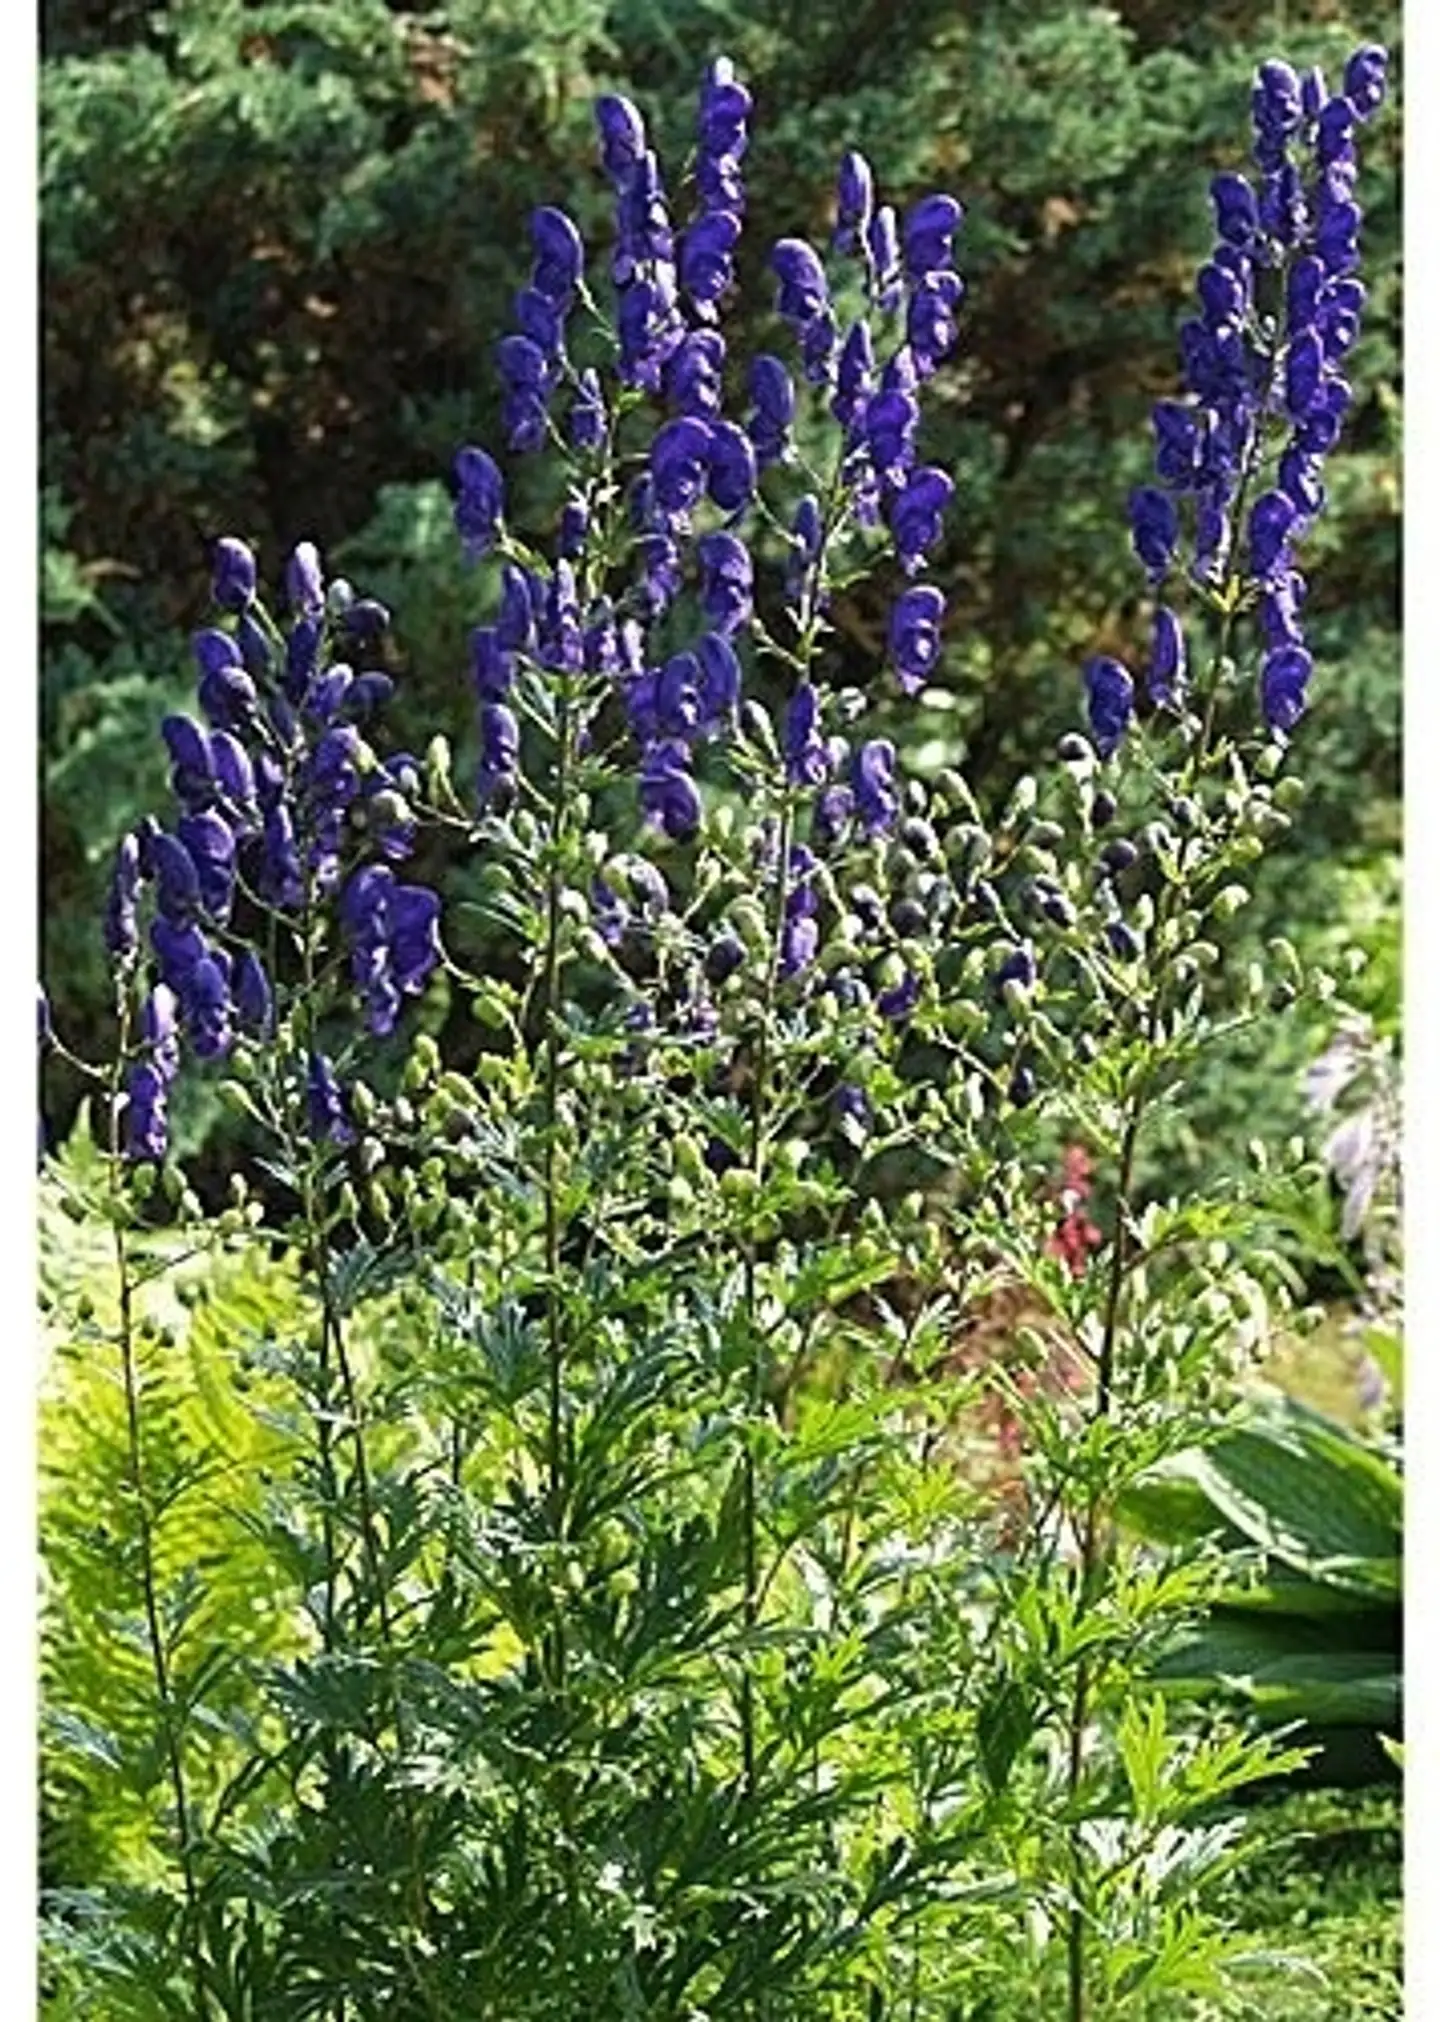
(626, 1631)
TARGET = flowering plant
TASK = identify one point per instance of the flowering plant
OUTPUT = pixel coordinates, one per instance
(640, 1643)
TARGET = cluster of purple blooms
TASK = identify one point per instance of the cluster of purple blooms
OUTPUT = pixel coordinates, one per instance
(267, 780)
(275, 775)
(702, 465)
(1290, 247)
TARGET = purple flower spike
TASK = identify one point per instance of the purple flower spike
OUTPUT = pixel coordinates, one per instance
(1110, 695)
(915, 640)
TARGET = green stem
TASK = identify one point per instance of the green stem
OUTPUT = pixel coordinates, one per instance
(159, 1656)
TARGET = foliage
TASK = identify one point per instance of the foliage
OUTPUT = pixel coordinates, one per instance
(1313, 1633)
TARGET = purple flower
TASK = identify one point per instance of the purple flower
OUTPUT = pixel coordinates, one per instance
(931, 328)
(233, 584)
(227, 694)
(854, 377)
(852, 1108)
(480, 506)
(493, 669)
(898, 1002)
(800, 932)
(915, 515)
(622, 136)
(726, 578)
(807, 757)
(304, 582)
(121, 930)
(873, 775)
(773, 392)
(724, 956)
(807, 533)
(280, 880)
(724, 109)
(525, 372)
(854, 202)
(325, 1105)
(890, 422)
(147, 1129)
(192, 777)
(499, 749)
(1304, 368)
(587, 414)
(707, 251)
(719, 677)
(668, 796)
(1272, 520)
(1237, 220)
(1284, 674)
(915, 641)
(1154, 530)
(1365, 79)
(178, 950)
(930, 227)
(732, 467)
(1018, 966)
(254, 1000)
(679, 463)
(831, 817)
(210, 844)
(1110, 695)
(693, 374)
(803, 293)
(177, 882)
(1167, 660)
(204, 994)
(160, 1030)
(559, 253)
(882, 243)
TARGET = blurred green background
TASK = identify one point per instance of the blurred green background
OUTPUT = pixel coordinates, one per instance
(280, 241)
